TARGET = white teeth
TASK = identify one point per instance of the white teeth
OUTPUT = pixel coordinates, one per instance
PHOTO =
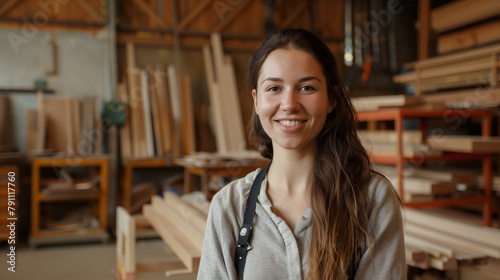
(290, 123)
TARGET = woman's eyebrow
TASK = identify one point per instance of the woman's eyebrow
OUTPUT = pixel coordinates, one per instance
(308, 78)
(304, 79)
(274, 79)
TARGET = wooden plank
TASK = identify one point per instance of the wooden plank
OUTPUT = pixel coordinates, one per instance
(146, 106)
(125, 243)
(175, 99)
(433, 249)
(165, 111)
(76, 125)
(184, 227)
(234, 118)
(461, 13)
(410, 137)
(470, 37)
(465, 143)
(214, 93)
(132, 89)
(480, 234)
(196, 202)
(41, 123)
(373, 103)
(188, 254)
(409, 151)
(188, 131)
(31, 131)
(155, 112)
(425, 186)
(452, 68)
(195, 217)
(231, 111)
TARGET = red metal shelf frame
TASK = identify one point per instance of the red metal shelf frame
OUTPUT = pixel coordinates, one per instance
(398, 114)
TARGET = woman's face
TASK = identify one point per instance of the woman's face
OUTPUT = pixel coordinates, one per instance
(291, 99)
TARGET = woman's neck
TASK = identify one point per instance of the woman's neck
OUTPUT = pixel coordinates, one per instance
(290, 170)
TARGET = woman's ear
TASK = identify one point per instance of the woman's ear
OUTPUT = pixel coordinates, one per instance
(332, 102)
(254, 95)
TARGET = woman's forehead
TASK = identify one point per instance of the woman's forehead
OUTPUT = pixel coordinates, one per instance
(290, 63)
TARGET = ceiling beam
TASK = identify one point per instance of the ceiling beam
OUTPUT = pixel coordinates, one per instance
(147, 9)
(294, 15)
(90, 10)
(7, 7)
(194, 14)
(235, 14)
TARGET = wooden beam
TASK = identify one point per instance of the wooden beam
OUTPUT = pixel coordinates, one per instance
(200, 8)
(461, 13)
(234, 15)
(470, 37)
(7, 7)
(296, 13)
(90, 10)
(423, 30)
(481, 234)
(148, 10)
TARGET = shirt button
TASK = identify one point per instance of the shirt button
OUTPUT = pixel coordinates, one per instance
(304, 218)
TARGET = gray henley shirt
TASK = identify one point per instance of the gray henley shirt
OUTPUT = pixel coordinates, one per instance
(280, 253)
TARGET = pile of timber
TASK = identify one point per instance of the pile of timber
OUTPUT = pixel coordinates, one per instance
(160, 117)
(459, 249)
(468, 49)
(181, 224)
(422, 184)
(470, 68)
(465, 24)
(64, 125)
(384, 143)
(224, 98)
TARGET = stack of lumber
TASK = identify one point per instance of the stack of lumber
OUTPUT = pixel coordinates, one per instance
(224, 98)
(468, 49)
(466, 23)
(384, 143)
(65, 125)
(160, 117)
(455, 247)
(470, 68)
(465, 143)
(427, 185)
(181, 224)
(373, 103)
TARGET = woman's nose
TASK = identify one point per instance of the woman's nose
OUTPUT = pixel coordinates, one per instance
(290, 101)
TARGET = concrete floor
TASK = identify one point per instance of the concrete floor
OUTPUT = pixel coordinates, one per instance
(82, 262)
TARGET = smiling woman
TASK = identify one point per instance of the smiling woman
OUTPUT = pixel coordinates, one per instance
(318, 210)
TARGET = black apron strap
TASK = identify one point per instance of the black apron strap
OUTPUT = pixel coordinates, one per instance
(245, 233)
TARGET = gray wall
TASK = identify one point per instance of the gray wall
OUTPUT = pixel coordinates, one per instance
(83, 63)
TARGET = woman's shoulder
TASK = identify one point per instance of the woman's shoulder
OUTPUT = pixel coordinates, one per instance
(236, 192)
(380, 190)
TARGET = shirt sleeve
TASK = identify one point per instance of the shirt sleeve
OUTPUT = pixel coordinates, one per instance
(218, 244)
(386, 259)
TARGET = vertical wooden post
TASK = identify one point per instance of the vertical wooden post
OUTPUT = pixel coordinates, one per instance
(423, 32)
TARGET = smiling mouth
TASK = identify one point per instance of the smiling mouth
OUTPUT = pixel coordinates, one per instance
(290, 123)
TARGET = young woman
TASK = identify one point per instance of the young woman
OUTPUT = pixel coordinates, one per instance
(321, 211)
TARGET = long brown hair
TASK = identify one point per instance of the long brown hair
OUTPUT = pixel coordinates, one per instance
(341, 169)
